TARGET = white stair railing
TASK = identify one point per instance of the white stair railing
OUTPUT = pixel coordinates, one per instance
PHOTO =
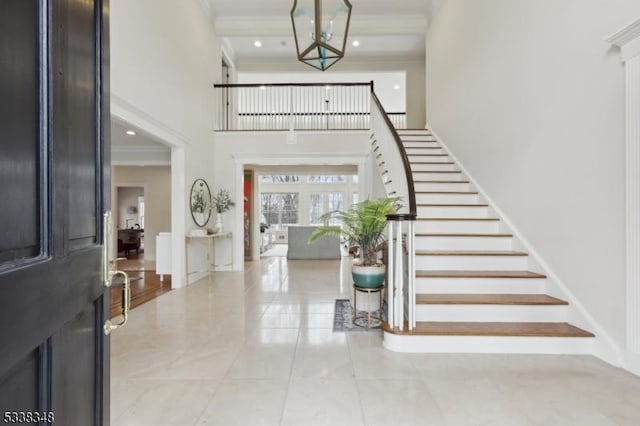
(296, 106)
(395, 171)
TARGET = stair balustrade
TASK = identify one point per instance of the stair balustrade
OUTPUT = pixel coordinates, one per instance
(395, 171)
(296, 106)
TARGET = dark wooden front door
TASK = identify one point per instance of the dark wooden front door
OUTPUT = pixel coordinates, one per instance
(54, 164)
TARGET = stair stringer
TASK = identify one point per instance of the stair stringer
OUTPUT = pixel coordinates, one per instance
(604, 347)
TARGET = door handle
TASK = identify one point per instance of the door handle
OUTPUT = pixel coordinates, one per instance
(109, 272)
(109, 325)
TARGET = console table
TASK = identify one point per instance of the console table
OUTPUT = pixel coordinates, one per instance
(200, 266)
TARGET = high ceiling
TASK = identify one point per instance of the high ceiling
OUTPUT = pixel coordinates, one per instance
(386, 29)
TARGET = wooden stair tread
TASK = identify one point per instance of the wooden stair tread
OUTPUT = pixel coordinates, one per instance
(469, 253)
(479, 274)
(502, 329)
(464, 235)
(488, 299)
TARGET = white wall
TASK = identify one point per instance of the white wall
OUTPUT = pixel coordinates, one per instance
(165, 57)
(234, 151)
(156, 181)
(530, 98)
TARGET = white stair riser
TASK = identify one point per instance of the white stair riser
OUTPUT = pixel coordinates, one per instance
(462, 198)
(461, 186)
(431, 167)
(464, 243)
(419, 155)
(437, 176)
(433, 211)
(456, 226)
(492, 313)
(488, 344)
(481, 285)
(471, 263)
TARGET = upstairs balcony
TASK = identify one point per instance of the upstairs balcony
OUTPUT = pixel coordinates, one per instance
(298, 106)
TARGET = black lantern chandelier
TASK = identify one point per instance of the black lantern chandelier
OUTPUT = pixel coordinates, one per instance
(320, 28)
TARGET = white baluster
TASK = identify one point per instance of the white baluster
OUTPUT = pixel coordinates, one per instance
(391, 276)
(399, 280)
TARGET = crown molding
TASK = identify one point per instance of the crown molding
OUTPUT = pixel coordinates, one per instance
(138, 148)
(281, 25)
(628, 40)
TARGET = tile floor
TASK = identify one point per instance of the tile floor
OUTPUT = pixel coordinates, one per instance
(257, 348)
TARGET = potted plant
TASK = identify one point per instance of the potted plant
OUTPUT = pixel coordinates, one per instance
(221, 202)
(363, 224)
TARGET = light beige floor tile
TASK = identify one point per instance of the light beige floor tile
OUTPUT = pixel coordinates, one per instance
(475, 402)
(322, 402)
(221, 328)
(169, 402)
(246, 402)
(329, 363)
(262, 363)
(322, 338)
(398, 402)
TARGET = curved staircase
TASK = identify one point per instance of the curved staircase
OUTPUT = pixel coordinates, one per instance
(474, 292)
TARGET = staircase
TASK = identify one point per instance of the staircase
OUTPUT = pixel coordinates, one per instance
(474, 292)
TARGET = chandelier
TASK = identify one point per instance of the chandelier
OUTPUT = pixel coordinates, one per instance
(320, 28)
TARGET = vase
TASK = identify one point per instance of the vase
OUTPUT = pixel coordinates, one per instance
(218, 227)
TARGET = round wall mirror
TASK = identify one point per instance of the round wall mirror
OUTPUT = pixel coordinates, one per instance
(200, 202)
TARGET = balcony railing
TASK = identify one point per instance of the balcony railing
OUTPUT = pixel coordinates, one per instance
(298, 106)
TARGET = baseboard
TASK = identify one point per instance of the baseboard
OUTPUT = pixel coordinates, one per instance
(605, 347)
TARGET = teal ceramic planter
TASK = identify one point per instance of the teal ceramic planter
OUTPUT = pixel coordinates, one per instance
(368, 276)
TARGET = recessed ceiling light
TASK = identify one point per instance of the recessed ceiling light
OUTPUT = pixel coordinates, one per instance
(397, 86)
(263, 87)
(355, 43)
(131, 133)
(257, 43)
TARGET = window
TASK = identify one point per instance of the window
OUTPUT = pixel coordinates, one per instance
(327, 179)
(280, 209)
(279, 179)
(323, 202)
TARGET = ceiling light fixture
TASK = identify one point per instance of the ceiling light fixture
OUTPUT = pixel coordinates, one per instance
(397, 87)
(131, 133)
(320, 32)
(355, 43)
(257, 43)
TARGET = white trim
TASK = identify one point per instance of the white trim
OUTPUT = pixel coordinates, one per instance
(488, 344)
(605, 347)
(128, 112)
(628, 40)
(281, 25)
(279, 159)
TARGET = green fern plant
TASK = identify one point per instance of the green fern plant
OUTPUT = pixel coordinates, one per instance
(363, 224)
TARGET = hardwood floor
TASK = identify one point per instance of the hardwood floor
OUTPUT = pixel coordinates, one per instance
(145, 285)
